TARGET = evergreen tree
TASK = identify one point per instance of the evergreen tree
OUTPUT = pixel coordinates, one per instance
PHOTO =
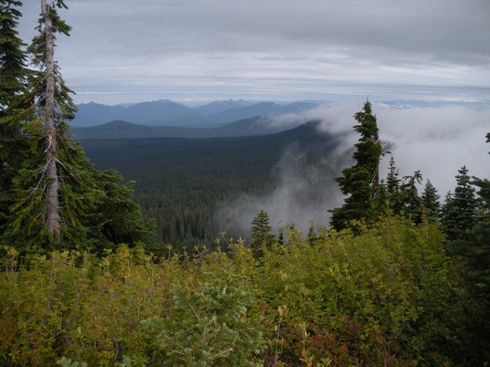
(56, 107)
(473, 251)
(261, 233)
(389, 195)
(466, 221)
(361, 180)
(13, 68)
(57, 198)
(413, 206)
(13, 79)
(459, 212)
(430, 200)
(393, 187)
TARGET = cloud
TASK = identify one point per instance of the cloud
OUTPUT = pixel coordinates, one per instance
(275, 49)
(438, 141)
(304, 192)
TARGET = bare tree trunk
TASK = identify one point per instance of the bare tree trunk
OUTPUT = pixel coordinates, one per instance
(53, 221)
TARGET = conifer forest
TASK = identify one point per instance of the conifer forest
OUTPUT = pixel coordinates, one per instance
(111, 254)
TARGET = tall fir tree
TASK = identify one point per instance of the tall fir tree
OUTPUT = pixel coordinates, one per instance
(360, 182)
(58, 199)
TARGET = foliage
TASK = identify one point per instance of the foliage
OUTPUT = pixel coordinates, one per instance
(208, 327)
(375, 299)
(385, 297)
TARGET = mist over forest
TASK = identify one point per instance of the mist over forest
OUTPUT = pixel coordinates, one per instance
(438, 141)
(301, 187)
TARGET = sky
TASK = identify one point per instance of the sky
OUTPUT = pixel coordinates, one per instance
(126, 51)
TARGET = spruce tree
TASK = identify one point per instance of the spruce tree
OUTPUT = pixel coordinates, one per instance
(360, 181)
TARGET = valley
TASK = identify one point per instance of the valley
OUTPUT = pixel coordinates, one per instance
(181, 182)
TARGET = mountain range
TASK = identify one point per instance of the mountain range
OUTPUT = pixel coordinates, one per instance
(165, 118)
(169, 113)
(126, 130)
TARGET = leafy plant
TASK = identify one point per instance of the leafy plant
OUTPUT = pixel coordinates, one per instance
(208, 327)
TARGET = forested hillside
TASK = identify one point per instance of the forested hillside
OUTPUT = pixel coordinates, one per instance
(180, 182)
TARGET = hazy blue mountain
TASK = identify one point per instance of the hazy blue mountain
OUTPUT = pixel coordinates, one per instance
(91, 114)
(216, 107)
(162, 112)
(127, 130)
(169, 113)
(260, 109)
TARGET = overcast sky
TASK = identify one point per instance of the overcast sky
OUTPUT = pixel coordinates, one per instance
(130, 51)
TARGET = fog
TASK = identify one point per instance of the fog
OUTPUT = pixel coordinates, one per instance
(438, 141)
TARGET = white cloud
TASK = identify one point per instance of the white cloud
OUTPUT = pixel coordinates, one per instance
(438, 141)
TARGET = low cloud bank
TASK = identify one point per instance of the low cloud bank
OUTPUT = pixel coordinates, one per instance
(438, 141)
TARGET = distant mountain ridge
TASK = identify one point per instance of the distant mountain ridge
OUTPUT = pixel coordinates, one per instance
(169, 113)
(126, 130)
